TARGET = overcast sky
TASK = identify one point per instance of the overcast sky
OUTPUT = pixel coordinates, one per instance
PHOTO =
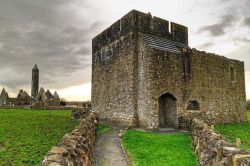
(56, 35)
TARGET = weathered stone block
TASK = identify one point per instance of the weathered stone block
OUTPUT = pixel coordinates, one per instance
(241, 160)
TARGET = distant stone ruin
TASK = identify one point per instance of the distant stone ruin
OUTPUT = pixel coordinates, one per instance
(35, 81)
(22, 98)
(145, 74)
(37, 98)
(4, 97)
(41, 97)
(44, 99)
(23, 95)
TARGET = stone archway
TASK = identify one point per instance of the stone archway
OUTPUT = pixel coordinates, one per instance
(168, 111)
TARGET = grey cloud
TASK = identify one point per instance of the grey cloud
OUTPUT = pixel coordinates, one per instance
(205, 45)
(247, 21)
(241, 40)
(218, 29)
(47, 34)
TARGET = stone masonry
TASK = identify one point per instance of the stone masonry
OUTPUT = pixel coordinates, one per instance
(213, 150)
(75, 148)
(145, 74)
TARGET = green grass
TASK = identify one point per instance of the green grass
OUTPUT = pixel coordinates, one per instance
(27, 135)
(233, 131)
(102, 128)
(152, 149)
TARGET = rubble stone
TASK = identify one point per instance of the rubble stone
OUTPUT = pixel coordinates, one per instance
(75, 148)
(212, 150)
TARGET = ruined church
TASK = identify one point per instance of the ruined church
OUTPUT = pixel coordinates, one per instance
(145, 74)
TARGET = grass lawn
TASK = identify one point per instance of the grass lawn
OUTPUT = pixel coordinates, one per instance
(27, 135)
(152, 149)
(233, 131)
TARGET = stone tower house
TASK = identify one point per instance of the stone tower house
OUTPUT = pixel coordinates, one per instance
(35, 82)
(145, 74)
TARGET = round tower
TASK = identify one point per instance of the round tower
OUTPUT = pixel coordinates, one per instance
(35, 81)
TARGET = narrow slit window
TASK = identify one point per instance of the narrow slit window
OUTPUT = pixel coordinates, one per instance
(186, 62)
(232, 73)
(103, 55)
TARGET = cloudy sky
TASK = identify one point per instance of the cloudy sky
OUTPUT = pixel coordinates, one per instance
(56, 35)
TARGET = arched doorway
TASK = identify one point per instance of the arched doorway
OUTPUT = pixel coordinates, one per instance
(167, 111)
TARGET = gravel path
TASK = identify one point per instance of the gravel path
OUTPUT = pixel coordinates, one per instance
(108, 151)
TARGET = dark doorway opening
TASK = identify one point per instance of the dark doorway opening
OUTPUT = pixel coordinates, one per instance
(167, 111)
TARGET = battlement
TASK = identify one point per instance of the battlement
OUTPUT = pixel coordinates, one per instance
(136, 21)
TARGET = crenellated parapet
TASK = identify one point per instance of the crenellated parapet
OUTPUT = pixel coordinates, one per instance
(136, 21)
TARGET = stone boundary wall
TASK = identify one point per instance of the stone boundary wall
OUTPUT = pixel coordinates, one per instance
(52, 107)
(58, 108)
(43, 108)
(14, 107)
(75, 148)
(80, 113)
(213, 150)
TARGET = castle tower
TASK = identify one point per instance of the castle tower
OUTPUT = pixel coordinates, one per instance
(145, 74)
(35, 81)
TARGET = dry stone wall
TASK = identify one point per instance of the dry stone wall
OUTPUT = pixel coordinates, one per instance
(79, 113)
(75, 148)
(213, 150)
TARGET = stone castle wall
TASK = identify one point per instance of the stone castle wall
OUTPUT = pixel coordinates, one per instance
(115, 64)
(159, 72)
(221, 99)
(113, 80)
(218, 84)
